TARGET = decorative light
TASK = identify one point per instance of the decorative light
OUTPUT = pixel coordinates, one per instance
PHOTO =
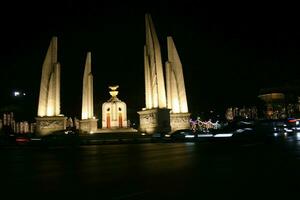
(204, 125)
(16, 93)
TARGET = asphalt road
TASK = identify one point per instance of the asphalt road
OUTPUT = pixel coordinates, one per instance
(210, 170)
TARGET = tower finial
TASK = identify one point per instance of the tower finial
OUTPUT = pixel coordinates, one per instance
(113, 91)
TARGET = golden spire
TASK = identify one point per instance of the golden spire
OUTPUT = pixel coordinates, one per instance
(113, 91)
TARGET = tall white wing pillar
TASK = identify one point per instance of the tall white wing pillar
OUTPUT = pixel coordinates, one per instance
(87, 90)
(176, 95)
(49, 118)
(88, 124)
(168, 84)
(148, 87)
(177, 100)
(155, 117)
(49, 98)
(154, 78)
(57, 89)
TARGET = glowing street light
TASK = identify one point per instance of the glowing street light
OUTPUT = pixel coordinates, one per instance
(16, 93)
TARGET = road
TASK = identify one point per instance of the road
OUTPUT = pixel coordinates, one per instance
(153, 171)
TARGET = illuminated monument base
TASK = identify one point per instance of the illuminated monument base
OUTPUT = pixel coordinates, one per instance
(179, 121)
(155, 120)
(47, 125)
(88, 125)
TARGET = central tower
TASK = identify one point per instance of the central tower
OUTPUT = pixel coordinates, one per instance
(156, 116)
(114, 111)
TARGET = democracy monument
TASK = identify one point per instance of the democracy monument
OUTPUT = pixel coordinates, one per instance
(165, 109)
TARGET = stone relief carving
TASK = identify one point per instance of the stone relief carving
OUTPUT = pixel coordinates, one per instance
(180, 119)
(148, 119)
(52, 123)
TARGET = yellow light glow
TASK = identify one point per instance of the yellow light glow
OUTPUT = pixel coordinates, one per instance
(175, 105)
(84, 115)
(50, 111)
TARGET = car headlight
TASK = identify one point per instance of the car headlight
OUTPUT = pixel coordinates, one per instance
(239, 130)
(189, 136)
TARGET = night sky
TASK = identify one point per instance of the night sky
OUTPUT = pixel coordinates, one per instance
(229, 52)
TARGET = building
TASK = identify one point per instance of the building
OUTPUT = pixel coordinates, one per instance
(281, 102)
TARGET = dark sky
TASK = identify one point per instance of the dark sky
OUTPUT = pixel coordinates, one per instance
(228, 51)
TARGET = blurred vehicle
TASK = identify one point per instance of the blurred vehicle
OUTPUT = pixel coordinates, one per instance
(63, 137)
(15, 139)
(271, 128)
(292, 126)
(245, 131)
(204, 135)
(182, 135)
(236, 130)
(159, 137)
(22, 139)
(224, 132)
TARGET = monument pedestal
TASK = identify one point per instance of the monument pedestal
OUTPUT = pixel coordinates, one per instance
(88, 125)
(180, 121)
(46, 125)
(155, 120)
